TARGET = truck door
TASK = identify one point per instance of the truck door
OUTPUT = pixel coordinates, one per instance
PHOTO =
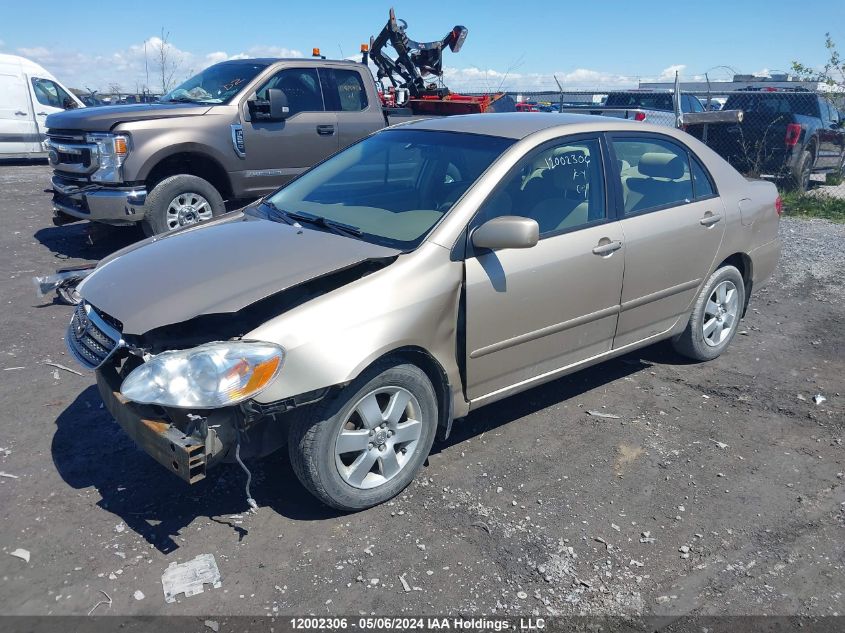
(345, 93)
(276, 151)
(18, 133)
(48, 97)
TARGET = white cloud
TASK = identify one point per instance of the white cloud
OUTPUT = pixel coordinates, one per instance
(130, 67)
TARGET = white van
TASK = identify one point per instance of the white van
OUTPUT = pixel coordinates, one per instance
(28, 94)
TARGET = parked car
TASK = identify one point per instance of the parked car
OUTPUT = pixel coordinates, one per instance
(640, 105)
(28, 95)
(425, 271)
(786, 135)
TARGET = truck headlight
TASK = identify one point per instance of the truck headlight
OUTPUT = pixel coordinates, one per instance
(112, 150)
(205, 377)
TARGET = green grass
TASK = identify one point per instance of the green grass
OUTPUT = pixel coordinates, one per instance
(814, 206)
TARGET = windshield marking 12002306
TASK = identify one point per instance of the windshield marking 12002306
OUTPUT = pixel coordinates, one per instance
(393, 187)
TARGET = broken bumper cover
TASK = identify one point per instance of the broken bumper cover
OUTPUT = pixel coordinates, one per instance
(184, 455)
(118, 205)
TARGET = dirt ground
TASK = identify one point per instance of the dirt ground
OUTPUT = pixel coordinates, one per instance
(718, 489)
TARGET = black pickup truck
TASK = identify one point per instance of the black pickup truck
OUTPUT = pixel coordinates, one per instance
(785, 134)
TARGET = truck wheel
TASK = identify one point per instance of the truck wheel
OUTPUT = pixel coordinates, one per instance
(800, 179)
(365, 445)
(179, 201)
(715, 316)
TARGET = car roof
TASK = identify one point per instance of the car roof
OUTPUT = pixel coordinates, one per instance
(518, 125)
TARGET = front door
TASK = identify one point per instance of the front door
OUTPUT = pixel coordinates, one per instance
(18, 133)
(277, 151)
(673, 221)
(532, 311)
(48, 97)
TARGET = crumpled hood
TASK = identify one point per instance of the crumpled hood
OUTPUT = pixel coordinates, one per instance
(104, 118)
(219, 268)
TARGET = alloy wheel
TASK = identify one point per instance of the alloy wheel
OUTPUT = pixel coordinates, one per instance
(720, 313)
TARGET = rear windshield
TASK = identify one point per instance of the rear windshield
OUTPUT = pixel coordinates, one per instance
(774, 103)
(659, 101)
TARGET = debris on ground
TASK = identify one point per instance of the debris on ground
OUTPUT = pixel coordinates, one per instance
(64, 368)
(120, 527)
(405, 584)
(21, 553)
(609, 416)
(8, 475)
(107, 601)
(482, 526)
(139, 595)
(189, 578)
(213, 625)
(718, 443)
(819, 398)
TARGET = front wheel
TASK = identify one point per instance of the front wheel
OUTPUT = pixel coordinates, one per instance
(365, 446)
(180, 201)
(715, 316)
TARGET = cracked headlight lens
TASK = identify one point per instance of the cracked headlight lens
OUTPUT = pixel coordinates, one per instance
(205, 377)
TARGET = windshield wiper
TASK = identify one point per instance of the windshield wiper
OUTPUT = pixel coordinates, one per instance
(275, 213)
(179, 100)
(336, 227)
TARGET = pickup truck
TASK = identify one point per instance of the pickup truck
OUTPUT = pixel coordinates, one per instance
(237, 130)
(653, 107)
(786, 135)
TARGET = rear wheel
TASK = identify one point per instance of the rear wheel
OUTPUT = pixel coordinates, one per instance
(180, 201)
(365, 446)
(800, 178)
(715, 316)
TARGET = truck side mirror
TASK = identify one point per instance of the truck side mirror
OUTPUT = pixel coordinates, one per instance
(273, 108)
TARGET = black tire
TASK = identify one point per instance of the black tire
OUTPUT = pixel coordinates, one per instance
(158, 200)
(313, 436)
(691, 342)
(800, 178)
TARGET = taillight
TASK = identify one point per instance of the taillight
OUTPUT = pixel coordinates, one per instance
(779, 205)
(793, 133)
(639, 116)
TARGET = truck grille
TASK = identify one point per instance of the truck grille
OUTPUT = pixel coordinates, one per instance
(69, 153)
(90, 339)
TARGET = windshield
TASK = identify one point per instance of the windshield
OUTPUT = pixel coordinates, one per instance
(217, 84)
(394, 186)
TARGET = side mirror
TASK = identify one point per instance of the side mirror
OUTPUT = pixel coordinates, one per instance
(70, 104)
(507, 231)
(273, 108)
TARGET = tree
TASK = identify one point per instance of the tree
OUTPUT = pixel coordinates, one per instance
(832, 74)
(166, 59)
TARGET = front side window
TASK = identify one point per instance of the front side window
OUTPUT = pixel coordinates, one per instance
(393, 186)
(344, 90)
(49, 93)
(217, 84)
(300, 85)
(561, 186)
(654, 174)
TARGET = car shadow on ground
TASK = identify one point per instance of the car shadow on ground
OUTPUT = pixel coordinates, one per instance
(86, 240)
(89, 449)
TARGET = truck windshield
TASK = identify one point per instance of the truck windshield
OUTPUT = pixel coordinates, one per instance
(216, 84)
(393, 187)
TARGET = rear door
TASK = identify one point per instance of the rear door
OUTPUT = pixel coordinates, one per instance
(345, 94)
(673, 222)
(530, 312)
(18, 132)
(277, 151)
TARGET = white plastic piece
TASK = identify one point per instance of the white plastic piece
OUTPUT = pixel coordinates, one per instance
(189, 578)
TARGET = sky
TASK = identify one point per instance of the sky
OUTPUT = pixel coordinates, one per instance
(512, 45)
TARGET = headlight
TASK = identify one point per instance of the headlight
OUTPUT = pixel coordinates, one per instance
(112, 150)
(205, 377)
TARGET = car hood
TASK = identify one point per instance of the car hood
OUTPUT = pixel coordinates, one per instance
(104, 118)
(216, 269)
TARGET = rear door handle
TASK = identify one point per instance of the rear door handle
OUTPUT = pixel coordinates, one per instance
(710, 220)
(607, 249)
(325, 130)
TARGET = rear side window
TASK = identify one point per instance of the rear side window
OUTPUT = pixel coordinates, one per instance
(49, 93)
(775, 103)
(300, 85)
(654, 174)
(702, 186)
(344, 90)
(654, 101)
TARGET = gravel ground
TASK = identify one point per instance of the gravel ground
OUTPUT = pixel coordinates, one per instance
(717, 490)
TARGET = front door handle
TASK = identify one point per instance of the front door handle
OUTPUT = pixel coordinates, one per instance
(42, 114)
(607, 249)
(710, 220)
(325, 130)
(19, 113)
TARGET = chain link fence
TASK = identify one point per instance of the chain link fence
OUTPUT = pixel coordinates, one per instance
(783, 133)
